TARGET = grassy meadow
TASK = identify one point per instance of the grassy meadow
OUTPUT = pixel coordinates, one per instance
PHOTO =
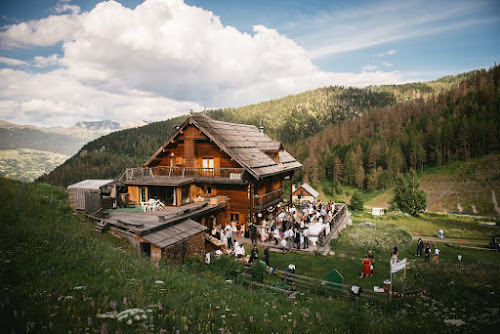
(59, 276)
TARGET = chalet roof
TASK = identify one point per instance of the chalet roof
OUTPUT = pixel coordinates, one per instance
(245, 144)
(175, 233)
(314, 193)
(90, 184)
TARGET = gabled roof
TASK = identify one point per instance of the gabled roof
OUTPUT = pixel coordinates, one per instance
(244, 143)
(90, 184)
(314, 193)
(175, 233)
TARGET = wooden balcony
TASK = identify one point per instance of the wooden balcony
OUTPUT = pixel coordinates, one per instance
(271, 198)
(182, 175)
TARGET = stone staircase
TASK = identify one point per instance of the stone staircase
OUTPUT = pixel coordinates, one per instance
(101, 226)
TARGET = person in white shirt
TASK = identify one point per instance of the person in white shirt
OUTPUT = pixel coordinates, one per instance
(283, 245)
(436, 255)
(459, 258)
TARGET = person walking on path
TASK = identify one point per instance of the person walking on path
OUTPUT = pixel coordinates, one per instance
(427, 252)
(420, 247)
(459, 258)
(254, 254)
(366, 267)
(253, 234)
(436, 255)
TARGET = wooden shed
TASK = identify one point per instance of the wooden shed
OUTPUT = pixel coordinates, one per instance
(305, 193)
(90, 195)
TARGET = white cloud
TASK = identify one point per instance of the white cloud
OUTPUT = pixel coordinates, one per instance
(386, 64)
(43, 32)
(153, 62)
(13, 62)
(51, 60)
(369, 67)
(388, 53)
(384, 22)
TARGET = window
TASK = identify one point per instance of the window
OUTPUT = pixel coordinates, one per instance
(208, 162)
(208, 166)
(234, 217)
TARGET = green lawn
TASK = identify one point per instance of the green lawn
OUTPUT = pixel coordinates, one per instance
(59, 276)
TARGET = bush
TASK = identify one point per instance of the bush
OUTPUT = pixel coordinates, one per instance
(227, 267)
(357, 202)
(258, 271)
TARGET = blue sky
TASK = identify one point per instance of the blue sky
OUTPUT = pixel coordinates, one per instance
(64, 61)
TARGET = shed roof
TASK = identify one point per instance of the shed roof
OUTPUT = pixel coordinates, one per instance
(244, 143)
(90, 184)
(314, 193)
(175, 233)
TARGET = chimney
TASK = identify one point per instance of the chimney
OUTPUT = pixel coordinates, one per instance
(261, 127)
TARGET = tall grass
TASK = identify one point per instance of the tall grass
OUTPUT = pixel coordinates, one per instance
(59, 276)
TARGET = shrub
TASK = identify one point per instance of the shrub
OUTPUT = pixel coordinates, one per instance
(226, 267)
(357, 201)
(258, 271)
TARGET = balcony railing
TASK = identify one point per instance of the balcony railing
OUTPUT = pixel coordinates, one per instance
(262, 201)
(142, 174)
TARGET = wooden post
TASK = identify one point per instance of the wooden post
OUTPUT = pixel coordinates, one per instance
(404, 277)
(290, 183)
(250, 188)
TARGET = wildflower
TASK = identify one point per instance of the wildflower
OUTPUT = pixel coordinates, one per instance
(178, 332)
(186, 328)
(112, 304)
(251, 319)
(159, 282)
(104, 329)
(92, 304)
(159, 306)
(80, 287)
(129, 322)
(51, 326)
(151, 320)
(294, 323)
(89, 321)
(281, 318)
(124, 300)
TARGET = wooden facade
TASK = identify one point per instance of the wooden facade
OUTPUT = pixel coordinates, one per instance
(207, 158)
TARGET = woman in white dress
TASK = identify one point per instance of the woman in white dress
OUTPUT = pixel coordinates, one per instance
(223, 237)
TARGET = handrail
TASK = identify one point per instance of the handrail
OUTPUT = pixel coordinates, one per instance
(198, 173)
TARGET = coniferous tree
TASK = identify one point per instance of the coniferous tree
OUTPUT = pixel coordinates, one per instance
(409, 198)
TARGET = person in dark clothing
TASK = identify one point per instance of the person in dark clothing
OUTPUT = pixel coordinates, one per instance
(266, 255)
(297, 238)
(253, 234)
(254, 254)
(427, 252)
(420, 247)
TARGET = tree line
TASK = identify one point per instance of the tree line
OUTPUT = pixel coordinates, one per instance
(368, 151)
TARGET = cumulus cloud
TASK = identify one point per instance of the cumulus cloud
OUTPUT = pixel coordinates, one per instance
(155, 61)
(51, 60)
(13, 62)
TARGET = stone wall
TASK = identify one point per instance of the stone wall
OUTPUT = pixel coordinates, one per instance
(187, 248)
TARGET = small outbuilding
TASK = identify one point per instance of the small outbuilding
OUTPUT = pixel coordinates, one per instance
(91, 195)
(304, 193)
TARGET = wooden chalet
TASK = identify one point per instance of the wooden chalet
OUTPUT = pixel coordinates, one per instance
(206, 158)
(305, 193)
